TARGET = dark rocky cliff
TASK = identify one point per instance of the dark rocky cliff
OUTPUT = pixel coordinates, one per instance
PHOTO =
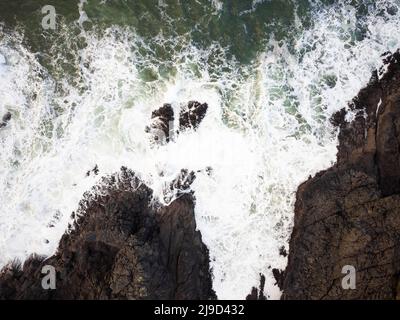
(350, 213)
(123, 245)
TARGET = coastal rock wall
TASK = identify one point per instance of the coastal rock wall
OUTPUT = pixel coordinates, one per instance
(349, 215)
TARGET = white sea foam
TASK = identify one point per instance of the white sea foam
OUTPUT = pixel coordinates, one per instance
(266, 131)
(217, 5)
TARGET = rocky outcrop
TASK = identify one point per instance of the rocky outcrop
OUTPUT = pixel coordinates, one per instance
(349, 215)
(5, 119)
(258, 293)
(162, 121)
(162, 131)
(192, 115)
(123, 245)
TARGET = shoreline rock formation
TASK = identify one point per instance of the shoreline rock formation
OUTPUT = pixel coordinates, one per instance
(162, 120)
(349, 215)
(123, 245)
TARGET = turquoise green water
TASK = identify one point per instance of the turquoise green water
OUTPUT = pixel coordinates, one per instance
(238, 30)
(243, 27)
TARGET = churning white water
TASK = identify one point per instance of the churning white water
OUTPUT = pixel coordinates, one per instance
(266, 131)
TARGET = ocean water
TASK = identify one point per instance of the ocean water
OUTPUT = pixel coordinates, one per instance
(272, 73)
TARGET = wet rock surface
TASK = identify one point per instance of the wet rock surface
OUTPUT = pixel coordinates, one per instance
(5, 119)
(258, 293)
(122, 245)
(349, 215)
(192, 116)
(162, 120)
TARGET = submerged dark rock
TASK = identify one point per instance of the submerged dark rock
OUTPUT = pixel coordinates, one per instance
(279, 276)
(283, 252)
(258, 293)
(4, 121)
(122, 246)
(349, 215)
(95, 171)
